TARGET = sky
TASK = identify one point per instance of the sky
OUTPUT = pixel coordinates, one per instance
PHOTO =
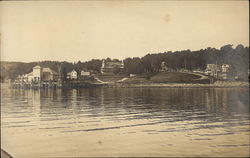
(85, 30)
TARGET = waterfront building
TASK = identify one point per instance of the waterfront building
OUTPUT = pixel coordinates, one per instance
(85, 73)
(212, 70)
(224, 71)
(39, 74)
(72, 75)
(225, 68)
(220, 72)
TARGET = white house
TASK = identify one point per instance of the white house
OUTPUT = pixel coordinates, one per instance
(132, 75)
(224, 71)
(85, 73)
(72, 75)
(225, 68)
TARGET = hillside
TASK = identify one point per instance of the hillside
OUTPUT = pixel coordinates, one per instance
(177, 77)
(110, 78)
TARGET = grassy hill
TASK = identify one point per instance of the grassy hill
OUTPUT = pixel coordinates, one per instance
(110, 78)
(175, 77)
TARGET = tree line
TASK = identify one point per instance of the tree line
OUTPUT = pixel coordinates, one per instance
(237, 58)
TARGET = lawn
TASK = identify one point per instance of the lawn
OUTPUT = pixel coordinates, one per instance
(110, 78)
(174, 77)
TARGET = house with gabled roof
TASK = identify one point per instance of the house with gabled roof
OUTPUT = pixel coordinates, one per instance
(72, 75)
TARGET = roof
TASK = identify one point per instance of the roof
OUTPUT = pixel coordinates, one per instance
(30, 74)
(37, 67)
(73, 71)
(111, 64)
(49, 70)
(85, 73)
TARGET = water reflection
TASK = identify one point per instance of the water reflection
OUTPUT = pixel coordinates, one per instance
(157, 111)
(140, 103)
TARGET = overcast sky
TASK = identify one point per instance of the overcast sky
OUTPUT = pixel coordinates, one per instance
(83, 30)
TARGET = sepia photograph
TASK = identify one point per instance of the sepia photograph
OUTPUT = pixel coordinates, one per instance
(124, 78)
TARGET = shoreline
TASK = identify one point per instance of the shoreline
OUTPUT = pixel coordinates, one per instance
(218, 84)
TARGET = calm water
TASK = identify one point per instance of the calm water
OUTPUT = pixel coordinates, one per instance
(125, 122)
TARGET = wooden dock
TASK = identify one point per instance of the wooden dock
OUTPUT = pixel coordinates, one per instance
(36, 85)
(54, 84)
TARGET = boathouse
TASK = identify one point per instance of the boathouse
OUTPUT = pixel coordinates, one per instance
(39, 74)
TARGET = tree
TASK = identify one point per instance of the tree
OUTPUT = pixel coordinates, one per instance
(116, 70)
(237, 58)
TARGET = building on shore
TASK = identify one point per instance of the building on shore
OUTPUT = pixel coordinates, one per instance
(39, 74)
(110, 67)
(85, 75)
(72, 75)
(212, 70)
(225, 68)
(220, 72)
(225, 71)
(39, 77)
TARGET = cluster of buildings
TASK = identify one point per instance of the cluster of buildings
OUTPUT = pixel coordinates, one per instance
(46, 77)
(73, 75)
(42, 74)
(39, 74)
(39, 77)
(107, 68)
(220, 72)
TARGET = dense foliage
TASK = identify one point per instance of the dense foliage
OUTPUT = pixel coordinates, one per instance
(237, 58)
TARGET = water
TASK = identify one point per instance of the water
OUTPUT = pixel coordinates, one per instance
(125, 122)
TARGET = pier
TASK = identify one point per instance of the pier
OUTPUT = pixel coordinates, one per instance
(54, 84)
(34, 85)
